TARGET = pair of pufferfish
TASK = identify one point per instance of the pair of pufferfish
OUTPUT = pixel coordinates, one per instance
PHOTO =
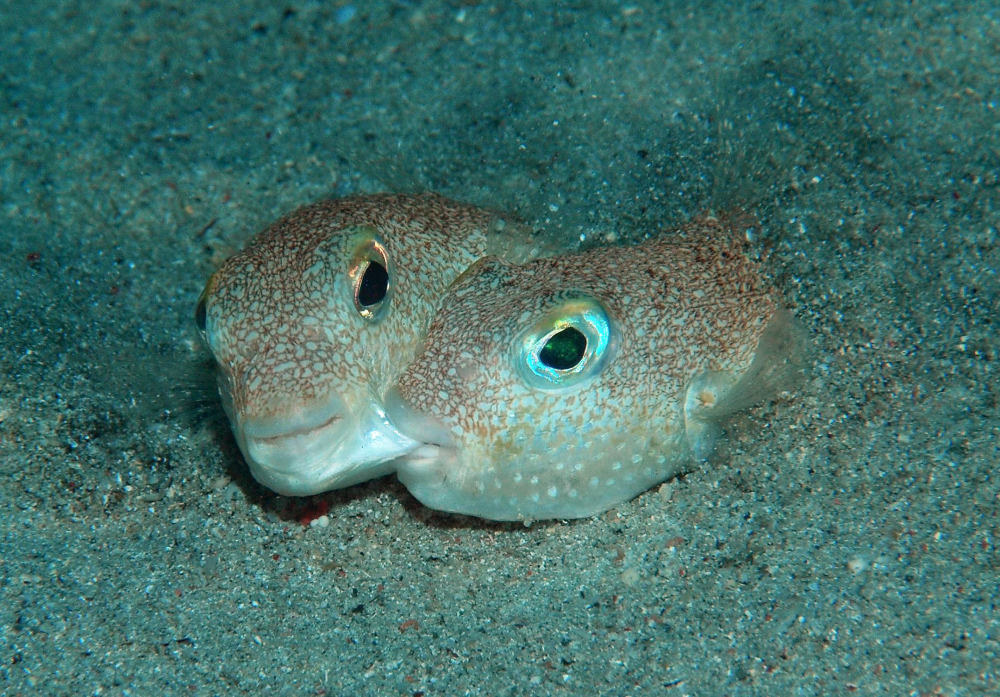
(413, 334)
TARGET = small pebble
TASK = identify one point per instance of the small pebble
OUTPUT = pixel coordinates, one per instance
(857, 565)
(630, 577)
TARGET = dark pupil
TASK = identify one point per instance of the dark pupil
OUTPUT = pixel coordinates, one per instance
(564, 350)
(201, 315)
(374, 284)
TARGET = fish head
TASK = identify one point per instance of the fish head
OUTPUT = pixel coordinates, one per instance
(313, 320)
(558, 389)
(529, 398)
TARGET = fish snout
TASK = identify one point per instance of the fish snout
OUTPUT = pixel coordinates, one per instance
(432, 471)
(416, 424)
(313, 448)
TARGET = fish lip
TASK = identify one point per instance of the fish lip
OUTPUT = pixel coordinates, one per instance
(279, 439)
(267, 439)
(322, 448)
(422, 427)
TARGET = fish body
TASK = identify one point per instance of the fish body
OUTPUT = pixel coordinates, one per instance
(316, 317)
(565, 386)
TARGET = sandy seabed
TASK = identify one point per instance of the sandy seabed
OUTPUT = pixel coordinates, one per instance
(843, 540)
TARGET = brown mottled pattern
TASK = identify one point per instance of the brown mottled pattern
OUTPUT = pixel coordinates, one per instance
(280, 316)
(681, 305)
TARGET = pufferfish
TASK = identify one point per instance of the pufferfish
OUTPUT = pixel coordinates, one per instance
(315, 318)
(565, 386)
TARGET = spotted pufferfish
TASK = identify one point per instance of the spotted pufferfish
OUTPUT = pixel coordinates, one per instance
(313, 321)
(563, 387)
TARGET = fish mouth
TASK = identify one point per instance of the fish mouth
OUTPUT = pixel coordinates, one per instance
(435, 438)
(283, 439)
(432, 470)
(312, 449)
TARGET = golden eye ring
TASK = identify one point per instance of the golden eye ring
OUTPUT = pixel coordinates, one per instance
(201, 308)
(371, 276)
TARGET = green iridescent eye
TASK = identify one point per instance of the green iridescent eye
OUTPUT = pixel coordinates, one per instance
(564, 350)
(568, 347)
(371, 276)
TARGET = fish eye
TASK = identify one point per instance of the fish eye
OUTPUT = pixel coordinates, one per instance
(564, 350)
(201, 314)
(371, 279)
(201, 309)
(568, 346)
(374, 284)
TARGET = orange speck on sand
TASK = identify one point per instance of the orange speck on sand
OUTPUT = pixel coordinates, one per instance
(314, 510)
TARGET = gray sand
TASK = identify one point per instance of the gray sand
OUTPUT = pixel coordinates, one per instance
(843, 540)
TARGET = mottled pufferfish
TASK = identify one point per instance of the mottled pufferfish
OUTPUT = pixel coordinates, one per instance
(563, 387)
(313, 321)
